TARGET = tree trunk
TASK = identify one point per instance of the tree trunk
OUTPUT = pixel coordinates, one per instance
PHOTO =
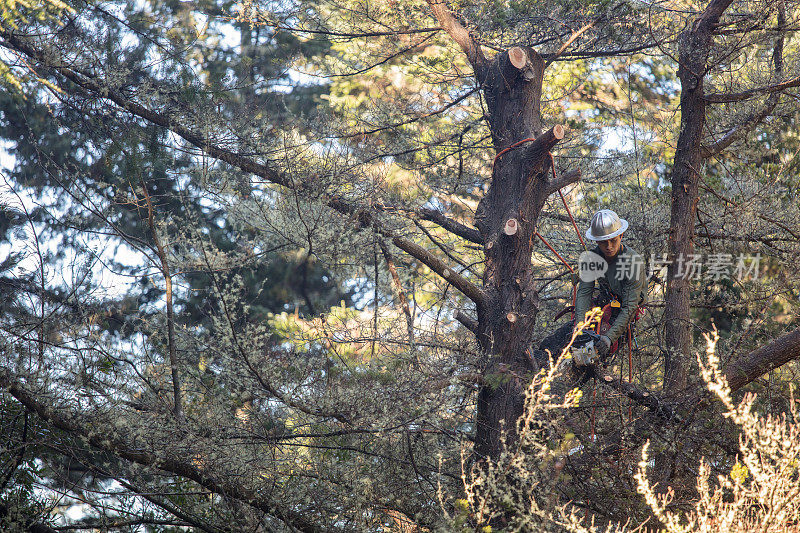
(506, 219)
(694, 45)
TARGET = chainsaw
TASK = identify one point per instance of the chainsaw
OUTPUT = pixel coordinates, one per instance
(584, 349)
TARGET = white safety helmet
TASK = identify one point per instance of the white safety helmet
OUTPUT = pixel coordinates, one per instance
(605, 225)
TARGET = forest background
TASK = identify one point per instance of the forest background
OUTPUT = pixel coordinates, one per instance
(282, 266)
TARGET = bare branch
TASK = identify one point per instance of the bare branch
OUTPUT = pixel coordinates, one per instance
(460, 35)
(437, 217)
(15, 43)
(739, 130)
(567, 178)
(165, 271)
(771, 220)
(571, 40)
(437, 265)
(401, 295)
(758, 362)
(414, 118)
(642, 397)
(584, 54)
(467, 321)
(722, 98)
(559, 216)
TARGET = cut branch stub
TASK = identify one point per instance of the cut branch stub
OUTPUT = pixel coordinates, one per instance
(527, 62)
(517, 192)
(511, 226)
(513, 90)
(538, 149)
(518, 57)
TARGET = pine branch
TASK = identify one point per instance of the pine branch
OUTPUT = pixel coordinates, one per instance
(769, 105)
(460, 35)
(723, 98)
(109, 441)
(470, 290)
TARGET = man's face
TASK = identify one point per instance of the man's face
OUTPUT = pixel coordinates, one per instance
(611, 247)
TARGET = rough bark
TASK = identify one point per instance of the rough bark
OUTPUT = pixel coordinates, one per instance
(506, 219)
(758, 362)
(694, 45)
(518, 191)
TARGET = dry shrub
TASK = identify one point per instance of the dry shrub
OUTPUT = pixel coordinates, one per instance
(762, 491)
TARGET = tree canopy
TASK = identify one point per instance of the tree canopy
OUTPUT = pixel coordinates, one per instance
(295, 266)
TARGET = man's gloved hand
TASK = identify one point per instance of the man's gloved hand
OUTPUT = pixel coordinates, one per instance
(603, 345)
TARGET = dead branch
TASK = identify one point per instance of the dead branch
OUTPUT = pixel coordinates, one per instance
(460, 35)
(567, 178)
(167, 274)
(401, 295)
(467, 321)
(642, 397)
(437, 217)
(722, 98)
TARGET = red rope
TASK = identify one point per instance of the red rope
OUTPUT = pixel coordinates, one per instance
(564, 201)
(630, 370)
(594, 407)
(554, 251)
(501, 152)
(553, 169)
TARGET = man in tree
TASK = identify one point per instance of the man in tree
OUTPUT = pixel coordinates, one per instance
(622, 285)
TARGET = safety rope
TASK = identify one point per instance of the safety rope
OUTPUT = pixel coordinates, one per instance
(630, 369)
(536, 232)
(518, 143)
(572, 270)
(594, 406)
(564, 201)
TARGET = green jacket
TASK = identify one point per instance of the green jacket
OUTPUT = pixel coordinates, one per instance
(627, 280)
